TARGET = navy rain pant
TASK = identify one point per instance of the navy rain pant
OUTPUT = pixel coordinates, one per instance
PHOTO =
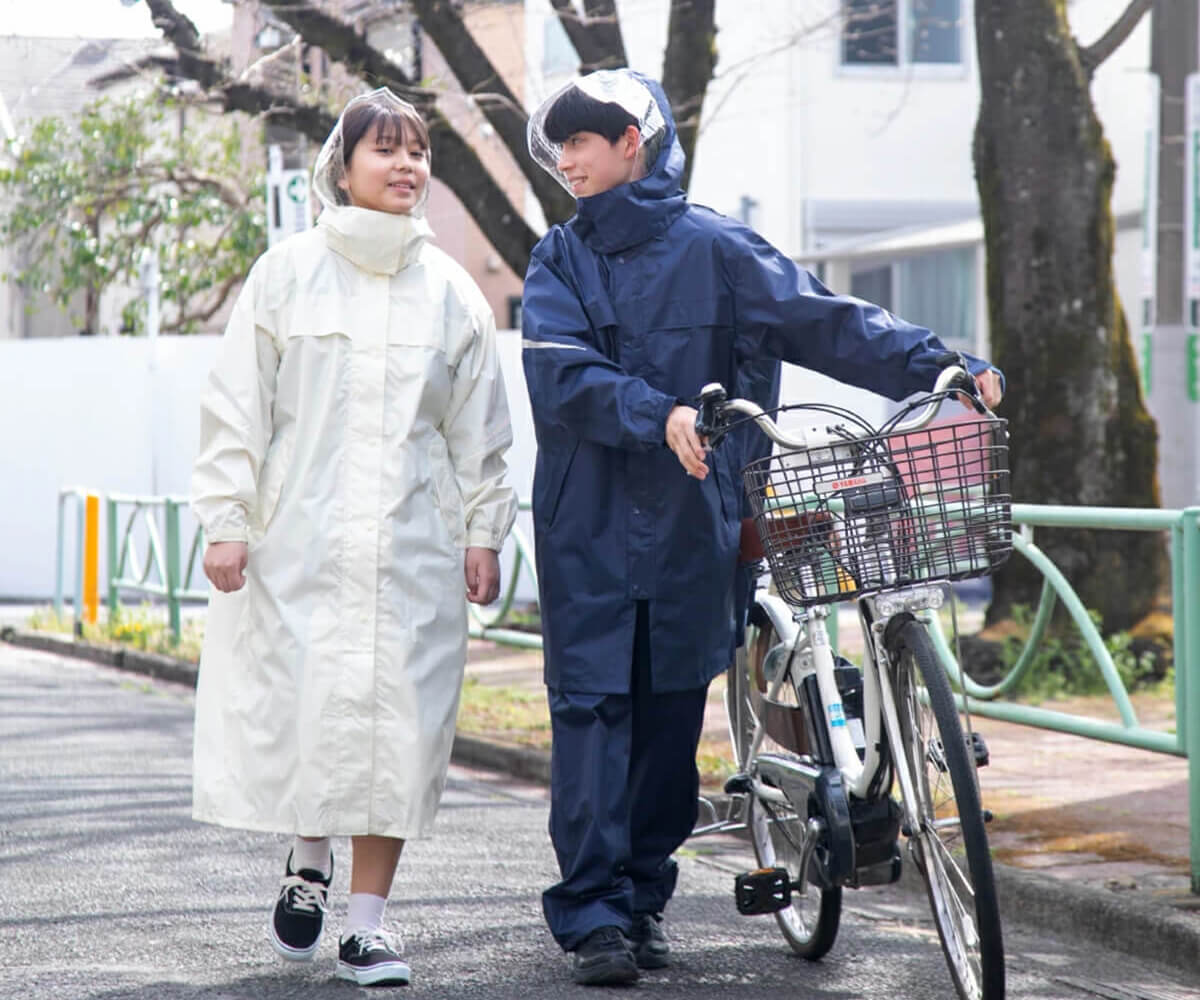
(623, 797)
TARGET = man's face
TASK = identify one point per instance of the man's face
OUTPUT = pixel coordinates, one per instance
(593, 165)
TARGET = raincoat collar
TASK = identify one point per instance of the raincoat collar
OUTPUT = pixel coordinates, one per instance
(631, 214)
(377, 242)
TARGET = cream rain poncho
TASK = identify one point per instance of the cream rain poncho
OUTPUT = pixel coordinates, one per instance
(352, 432)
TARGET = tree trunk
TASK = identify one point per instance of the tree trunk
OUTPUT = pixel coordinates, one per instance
(1080, 432)
(688, 66)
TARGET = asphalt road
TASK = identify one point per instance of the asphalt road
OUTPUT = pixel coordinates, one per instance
(109, 890)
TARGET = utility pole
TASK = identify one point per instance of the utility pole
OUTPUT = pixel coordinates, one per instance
(1171, 355)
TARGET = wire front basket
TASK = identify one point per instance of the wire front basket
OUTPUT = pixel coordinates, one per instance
(864, 514)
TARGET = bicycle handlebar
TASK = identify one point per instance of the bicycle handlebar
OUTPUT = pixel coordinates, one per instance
(714, 404)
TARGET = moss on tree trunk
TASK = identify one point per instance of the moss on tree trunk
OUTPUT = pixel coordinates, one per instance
(1081, 434)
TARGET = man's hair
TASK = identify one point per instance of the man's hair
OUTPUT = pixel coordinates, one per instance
(576, 111)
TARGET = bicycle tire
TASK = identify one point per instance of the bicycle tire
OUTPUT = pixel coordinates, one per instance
(963, 899)
(810, 924)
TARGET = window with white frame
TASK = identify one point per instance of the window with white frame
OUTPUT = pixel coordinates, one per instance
(902, 32)
(934, 290)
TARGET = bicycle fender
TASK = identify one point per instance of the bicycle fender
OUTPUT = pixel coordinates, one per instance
(772, 607)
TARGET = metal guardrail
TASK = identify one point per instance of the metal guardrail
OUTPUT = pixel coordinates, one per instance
(1183, 527)
(492, 625)
(163, 573)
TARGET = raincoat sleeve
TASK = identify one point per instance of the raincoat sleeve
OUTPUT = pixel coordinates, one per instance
(235, 424)
(478, 432)
(782, 311)
(571, 383)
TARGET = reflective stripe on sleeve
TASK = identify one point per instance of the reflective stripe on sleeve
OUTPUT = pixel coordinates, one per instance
(535, 344)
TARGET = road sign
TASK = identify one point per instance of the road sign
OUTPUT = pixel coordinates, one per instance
(1191, 202)
(289, 205)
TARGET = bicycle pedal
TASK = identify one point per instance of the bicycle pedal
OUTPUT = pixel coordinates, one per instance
(976, 744)
(737, 784)
(767, 890)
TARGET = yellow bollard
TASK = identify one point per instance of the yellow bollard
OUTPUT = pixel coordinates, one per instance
(91, 558)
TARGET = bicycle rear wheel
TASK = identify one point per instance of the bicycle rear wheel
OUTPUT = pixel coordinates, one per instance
(810, 924)
(950, 844)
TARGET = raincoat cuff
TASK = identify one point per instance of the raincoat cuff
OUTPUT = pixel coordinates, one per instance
(483, 538)
(227, 535)
(227, 529)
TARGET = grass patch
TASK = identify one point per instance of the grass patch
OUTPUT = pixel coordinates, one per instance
(143, 628)
(514, 715)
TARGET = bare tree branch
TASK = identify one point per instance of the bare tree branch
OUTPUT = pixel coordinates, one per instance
(455, 162)
(342, 43)
(443, 22)
(1093, 55)
(688, 67)
(597, 39)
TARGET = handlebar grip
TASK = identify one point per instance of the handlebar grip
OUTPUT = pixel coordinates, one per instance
(707, 410)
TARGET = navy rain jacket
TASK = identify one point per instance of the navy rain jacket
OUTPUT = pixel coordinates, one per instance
(629, 308)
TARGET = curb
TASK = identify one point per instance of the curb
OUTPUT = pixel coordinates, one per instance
(1113, 920)
(1103, 918)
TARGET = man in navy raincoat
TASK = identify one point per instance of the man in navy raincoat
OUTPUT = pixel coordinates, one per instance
(629, 308)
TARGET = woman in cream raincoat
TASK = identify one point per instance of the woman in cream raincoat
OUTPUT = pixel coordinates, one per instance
(350, 472)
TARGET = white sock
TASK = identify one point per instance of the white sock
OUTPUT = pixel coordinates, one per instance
(314, 854)
(364, 913)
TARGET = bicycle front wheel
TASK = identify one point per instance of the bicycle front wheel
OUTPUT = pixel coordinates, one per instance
(810, 924)
(949, 845)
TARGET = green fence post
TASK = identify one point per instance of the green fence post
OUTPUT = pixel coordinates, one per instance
(80, 504)
(111, 548)
(1189, 670)
(58, 560)
(173, 567)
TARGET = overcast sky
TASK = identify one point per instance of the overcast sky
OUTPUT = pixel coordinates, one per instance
(102, 18)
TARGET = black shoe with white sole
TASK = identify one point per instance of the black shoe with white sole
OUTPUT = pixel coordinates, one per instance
(299, 915)
(371, 958)
(603, 958)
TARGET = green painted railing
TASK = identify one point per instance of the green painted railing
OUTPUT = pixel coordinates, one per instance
(1183, 529)
(79, 496)
(163, 572)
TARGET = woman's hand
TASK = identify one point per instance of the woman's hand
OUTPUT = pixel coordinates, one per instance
(224, 565)
(482, 570)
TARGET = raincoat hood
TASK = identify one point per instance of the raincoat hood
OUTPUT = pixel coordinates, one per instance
(632, 213)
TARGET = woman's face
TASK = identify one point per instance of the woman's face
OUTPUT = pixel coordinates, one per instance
(386, 172)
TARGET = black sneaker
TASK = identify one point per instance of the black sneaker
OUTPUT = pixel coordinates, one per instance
(299, 915)
(649, 941)
(371, 958)
(603, 958)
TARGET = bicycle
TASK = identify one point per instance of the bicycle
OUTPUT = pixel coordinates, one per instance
(886, 518)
